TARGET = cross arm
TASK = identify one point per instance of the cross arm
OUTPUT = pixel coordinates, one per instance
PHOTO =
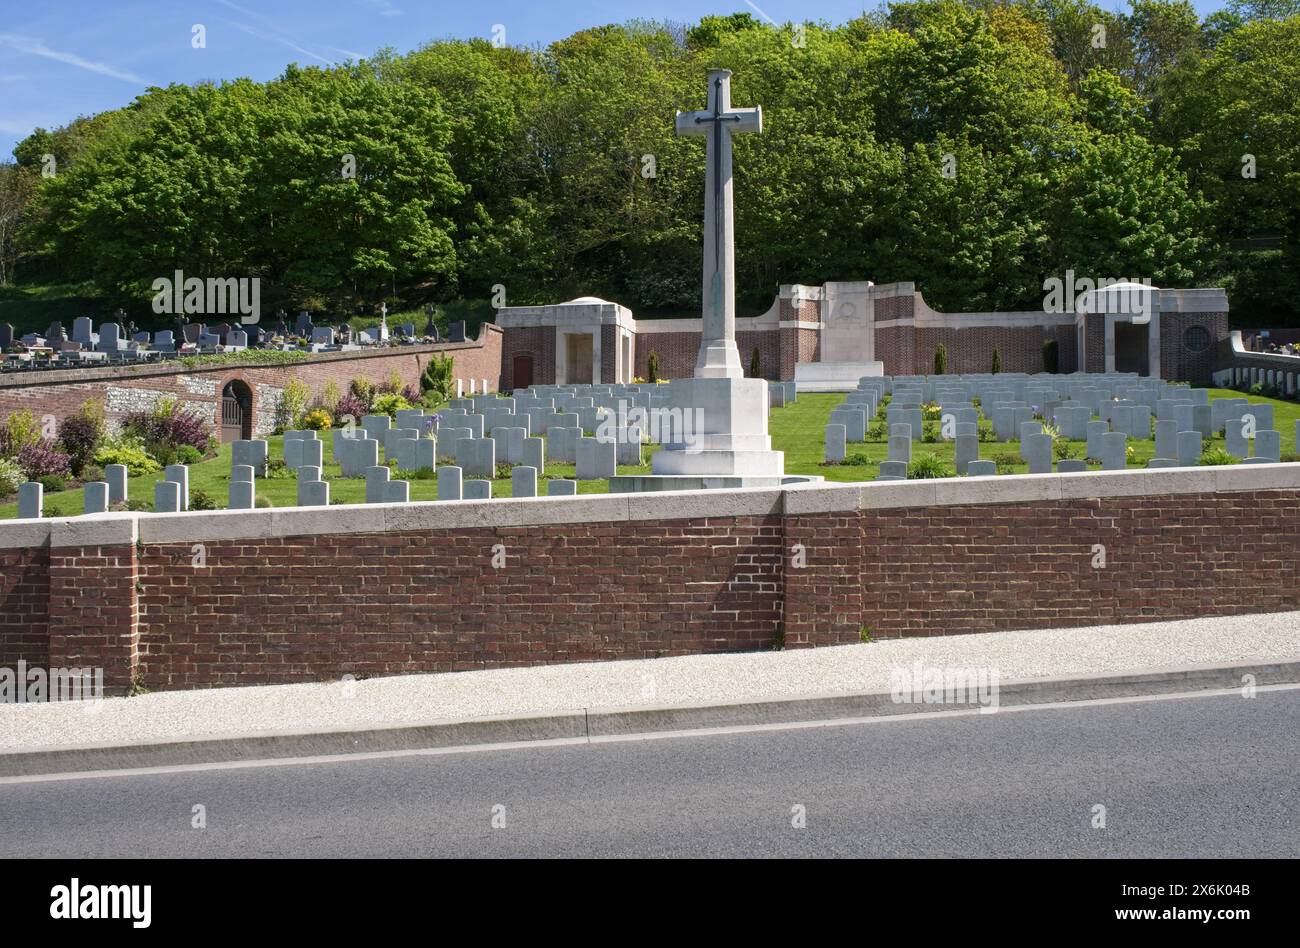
(694, 123)
(746, 120)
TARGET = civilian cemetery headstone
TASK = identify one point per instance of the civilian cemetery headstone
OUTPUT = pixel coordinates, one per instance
(110, 339)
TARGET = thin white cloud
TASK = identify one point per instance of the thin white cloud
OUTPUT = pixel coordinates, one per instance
(263, 34)
(35, 47)
(385, 8)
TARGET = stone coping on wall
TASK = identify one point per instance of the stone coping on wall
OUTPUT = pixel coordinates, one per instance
(115, 529)
(176, 367)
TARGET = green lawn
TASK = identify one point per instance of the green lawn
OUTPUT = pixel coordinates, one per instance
(796, 429)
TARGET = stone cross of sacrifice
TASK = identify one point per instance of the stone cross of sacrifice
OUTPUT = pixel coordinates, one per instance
(718, 357)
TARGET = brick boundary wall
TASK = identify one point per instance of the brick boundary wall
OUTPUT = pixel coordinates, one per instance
(778, 350)
(60, 393)
(306, 594)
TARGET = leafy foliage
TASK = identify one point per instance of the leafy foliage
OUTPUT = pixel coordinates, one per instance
(927, 466)
(437, 378)
(974, 147)
(81, 433)
(11, 477)
(128, 450)
(42, 459)
(168, 425)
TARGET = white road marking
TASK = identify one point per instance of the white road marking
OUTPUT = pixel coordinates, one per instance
(621, 738)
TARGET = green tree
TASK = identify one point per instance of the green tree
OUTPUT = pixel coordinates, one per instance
(1235, 118)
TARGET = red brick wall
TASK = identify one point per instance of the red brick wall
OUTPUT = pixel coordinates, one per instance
(24, 606)
(1179, 362)
(1014, 566)
(676, 352)
(768, 344)
(535, 341)
(62, 393)
(305, 608)
(314, 607)
(971, 350)
(93, 612)
(1095, 343)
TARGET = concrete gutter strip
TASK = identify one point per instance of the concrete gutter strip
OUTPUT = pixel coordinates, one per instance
(591, 724)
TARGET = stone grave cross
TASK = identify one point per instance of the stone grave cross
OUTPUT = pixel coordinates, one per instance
(718, 356)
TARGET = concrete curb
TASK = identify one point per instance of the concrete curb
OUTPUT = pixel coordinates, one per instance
(592, 724)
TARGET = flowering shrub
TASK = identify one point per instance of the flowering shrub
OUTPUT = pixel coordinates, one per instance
(11, 477)
(43, 459)
(389, 404)
(17, 432)
(318, 419)
(293, 401)
(169, 424)
(350, 405)
(364, 390)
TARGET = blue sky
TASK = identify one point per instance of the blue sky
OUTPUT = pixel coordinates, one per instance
(64, 58)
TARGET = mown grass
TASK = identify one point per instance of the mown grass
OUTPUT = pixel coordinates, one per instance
(796, 429)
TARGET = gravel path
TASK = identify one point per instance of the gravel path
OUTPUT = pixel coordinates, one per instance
(686, 681)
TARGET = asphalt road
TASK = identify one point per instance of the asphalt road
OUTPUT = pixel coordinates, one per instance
(1201, 776)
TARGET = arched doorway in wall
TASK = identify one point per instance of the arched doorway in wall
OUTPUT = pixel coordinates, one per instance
(236, 412)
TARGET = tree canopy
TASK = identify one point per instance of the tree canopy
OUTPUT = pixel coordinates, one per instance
(976, 147)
